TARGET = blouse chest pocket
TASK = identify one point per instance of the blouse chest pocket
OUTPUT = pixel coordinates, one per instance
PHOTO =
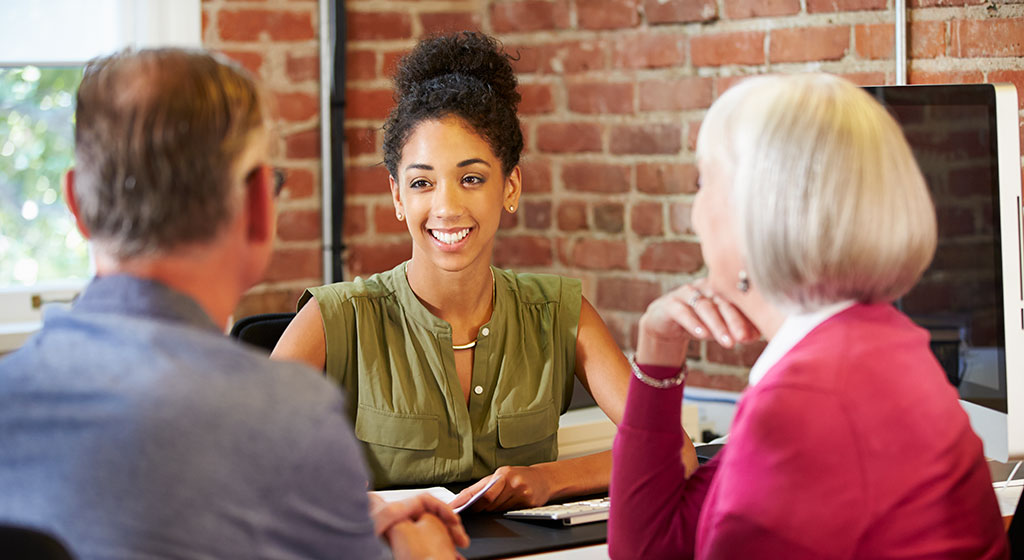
(399, 447)
(528, 437)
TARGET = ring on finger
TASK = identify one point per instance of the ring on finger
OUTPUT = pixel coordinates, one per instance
(693, 299)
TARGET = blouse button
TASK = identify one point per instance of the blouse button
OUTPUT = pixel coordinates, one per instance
(485, 331)
(478, 389)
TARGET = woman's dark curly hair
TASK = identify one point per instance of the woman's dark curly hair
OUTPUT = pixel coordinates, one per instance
(467, 75)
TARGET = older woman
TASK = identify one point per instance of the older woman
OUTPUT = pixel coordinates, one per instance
(848, 443)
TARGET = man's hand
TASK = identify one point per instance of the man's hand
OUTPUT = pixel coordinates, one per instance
(387, 515)
(422, 539)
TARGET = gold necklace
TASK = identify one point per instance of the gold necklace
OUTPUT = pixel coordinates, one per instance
(472, 343)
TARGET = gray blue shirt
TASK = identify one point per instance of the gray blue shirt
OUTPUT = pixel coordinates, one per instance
(132, 428)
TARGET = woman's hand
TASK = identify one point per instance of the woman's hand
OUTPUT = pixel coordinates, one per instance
(389, 515)
(687, 312)
(514, 488)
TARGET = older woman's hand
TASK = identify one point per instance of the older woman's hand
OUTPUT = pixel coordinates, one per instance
(690, 311)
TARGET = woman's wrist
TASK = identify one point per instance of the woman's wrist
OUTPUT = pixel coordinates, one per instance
(661, 377)
(654, 351)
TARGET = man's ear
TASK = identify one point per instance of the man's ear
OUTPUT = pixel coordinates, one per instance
(69, 199)
(259, 204)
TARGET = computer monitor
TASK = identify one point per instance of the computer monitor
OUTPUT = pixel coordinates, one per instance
(966, 141)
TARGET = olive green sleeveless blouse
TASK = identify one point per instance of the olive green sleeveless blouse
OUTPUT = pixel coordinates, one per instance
(394, 359)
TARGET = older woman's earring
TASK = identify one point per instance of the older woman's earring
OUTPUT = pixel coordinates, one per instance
(399, 216)
(743, 285)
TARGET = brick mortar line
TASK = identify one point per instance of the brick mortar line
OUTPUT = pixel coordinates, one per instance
(261, 44)
(698, 29)
(1004, 11)
(413, 5)
(983, 64)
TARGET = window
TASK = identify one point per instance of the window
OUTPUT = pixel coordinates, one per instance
(42, 256)
(38, 240)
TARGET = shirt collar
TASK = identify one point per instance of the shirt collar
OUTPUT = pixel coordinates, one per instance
(793, 330)
(130, 295)
(414, 308)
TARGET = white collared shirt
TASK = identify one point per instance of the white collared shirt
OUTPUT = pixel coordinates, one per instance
(792, 331)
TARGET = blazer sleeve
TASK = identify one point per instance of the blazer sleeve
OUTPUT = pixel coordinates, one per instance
(654, 506)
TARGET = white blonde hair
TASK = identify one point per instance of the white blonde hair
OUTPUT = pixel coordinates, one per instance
(829, 202)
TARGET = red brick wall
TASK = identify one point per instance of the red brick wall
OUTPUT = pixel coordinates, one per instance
(613, 94)
(278, 41)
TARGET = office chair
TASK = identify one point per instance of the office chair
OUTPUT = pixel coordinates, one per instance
(1016, 532)
(262, 331)
(24, 542)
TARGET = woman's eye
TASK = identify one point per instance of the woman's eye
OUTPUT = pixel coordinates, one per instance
(419, 184)
(473, 180)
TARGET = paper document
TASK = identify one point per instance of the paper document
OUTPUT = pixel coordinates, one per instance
(477, 495)
(438, 492)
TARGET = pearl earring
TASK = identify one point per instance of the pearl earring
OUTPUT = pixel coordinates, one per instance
(399, 216)
(511, 208)
(743, 285)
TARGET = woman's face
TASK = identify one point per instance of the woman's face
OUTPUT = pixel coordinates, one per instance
(714, 221)
(451, 191)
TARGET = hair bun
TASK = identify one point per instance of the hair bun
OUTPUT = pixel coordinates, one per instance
(468, 53)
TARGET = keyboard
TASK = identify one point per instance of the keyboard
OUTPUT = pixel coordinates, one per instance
(571, 513)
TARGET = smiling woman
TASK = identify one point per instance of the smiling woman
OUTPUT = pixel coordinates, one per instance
(456, 370)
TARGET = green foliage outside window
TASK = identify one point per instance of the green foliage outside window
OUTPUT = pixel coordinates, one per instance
(38, 239)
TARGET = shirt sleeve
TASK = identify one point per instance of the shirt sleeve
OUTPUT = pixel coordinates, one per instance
(324, 504)
(654, 506)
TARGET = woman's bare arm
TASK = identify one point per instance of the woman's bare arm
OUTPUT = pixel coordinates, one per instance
(304, 340)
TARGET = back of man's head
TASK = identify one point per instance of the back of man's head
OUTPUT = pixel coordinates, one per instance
(157, 133)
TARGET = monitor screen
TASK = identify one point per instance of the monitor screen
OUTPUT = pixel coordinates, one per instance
(956, 134)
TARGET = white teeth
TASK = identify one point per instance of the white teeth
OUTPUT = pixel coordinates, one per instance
(449, 238)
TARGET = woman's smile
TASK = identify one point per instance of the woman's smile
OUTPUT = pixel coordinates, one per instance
(450, 239)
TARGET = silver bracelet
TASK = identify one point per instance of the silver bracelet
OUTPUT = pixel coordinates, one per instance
(667, 383)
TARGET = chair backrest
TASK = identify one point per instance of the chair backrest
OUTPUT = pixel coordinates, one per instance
(263, 330)
(1016, 532)
(24, 542)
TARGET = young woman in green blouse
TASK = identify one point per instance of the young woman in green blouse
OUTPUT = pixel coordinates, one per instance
(455, 370)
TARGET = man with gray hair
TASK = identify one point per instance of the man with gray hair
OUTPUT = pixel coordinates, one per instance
(130, 426)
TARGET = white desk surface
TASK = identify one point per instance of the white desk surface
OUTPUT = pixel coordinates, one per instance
(593, 552)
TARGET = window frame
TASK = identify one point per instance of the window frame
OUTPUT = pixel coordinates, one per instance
(143, 23)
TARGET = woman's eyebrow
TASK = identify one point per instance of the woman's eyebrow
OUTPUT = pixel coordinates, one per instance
(419, 166)
(471, 161)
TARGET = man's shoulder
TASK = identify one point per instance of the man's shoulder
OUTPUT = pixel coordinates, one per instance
(226, 369)
(168, 365)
